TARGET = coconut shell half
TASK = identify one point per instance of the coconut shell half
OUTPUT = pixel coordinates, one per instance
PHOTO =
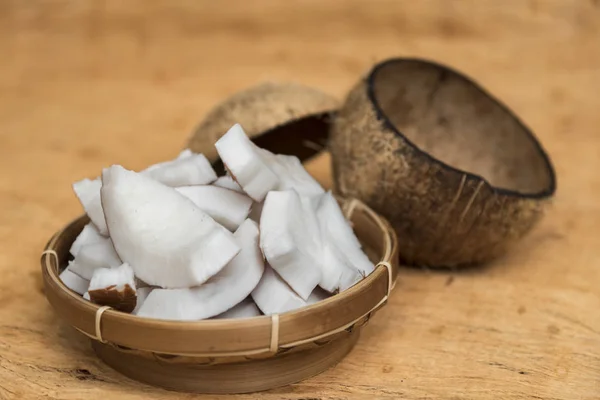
(301, 113)
(458, 175)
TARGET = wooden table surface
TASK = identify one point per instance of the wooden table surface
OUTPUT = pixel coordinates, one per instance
(86, 84)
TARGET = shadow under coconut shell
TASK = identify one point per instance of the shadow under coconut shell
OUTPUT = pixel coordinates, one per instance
(456, 173)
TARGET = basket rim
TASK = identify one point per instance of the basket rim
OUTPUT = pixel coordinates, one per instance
(50, 269)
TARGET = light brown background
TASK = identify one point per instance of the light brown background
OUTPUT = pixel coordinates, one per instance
(86, 84)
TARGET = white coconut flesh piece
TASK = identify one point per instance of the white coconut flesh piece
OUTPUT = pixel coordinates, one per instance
(74, 282)
(289, 243)
(273, 295)
(337, 232)
(184, 154)
(291, 174)
(245, 309)
(114, 287)
(338, 273)
(86, 296)
(227, 182)
(92, 256)
(240, 157)
(223, 291)
(163, 235)
(227, 207)
(142, 293)
(88, 193)
(89, 234)
(188, 170)
(311, 222)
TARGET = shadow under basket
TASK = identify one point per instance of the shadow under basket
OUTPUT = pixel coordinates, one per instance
(230, 355)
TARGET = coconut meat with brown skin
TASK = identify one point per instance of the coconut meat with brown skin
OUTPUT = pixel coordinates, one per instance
(193, 169)
(88, 235)
(244, 164)
(92, 256)
(223, 291)
(227, 182)
(225, 206)
(288, 242)
(114, 287)
(73, 281)
(274, 296)
(245, 309)
(163, 235)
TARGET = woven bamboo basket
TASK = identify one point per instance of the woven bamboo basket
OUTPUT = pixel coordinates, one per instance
(235, 355)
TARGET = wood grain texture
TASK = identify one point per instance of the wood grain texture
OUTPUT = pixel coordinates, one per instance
(86, 84)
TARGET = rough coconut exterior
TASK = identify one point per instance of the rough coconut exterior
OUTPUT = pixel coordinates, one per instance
(444, 216)
(259, 109)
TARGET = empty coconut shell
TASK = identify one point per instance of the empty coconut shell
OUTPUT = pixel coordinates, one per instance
(301, 111)
(458, 175)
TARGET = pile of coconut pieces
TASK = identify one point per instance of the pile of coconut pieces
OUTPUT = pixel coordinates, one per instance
(176, 242)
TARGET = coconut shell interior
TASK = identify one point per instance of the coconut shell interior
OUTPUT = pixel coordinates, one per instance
(444, 115)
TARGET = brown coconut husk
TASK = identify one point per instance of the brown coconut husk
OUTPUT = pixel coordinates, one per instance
(458, 175)
(263, 108)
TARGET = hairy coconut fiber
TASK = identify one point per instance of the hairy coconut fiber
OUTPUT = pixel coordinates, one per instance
(456, 173)
(260, 109)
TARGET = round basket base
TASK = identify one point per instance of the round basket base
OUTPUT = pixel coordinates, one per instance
(244, 377)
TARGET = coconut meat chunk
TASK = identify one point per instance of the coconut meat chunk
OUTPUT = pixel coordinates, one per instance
(274, 296)
(114, 287)
(289, 241)
(337, 230)
(193, 169)
(88, 235)
(291, 174)
(88, 193)
(338, 272)
(227, 182)
(163, 235)
(223, 291)
(73, 281)
(92, 256)
(225, 206)
(241, 159)
(142, 294)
